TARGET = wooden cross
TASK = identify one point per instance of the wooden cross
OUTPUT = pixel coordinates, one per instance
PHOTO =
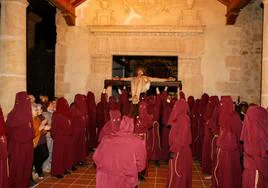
(170, 84)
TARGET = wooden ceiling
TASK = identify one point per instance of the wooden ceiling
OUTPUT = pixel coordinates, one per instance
(67, 8)
(233, 9)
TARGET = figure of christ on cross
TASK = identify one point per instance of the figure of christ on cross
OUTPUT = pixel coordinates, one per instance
(141, 84)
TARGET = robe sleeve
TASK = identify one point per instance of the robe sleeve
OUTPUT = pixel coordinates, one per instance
(158, 107)
(53, 126)
(173, 115)
(140, 156)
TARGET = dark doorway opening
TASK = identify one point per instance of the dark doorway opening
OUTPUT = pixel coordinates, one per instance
(41, 40)
(155, 66)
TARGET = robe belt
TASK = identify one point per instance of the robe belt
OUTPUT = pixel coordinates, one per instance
(216, 167)
(212, 147)
(175, 169)
(256, 179)
(3, 140)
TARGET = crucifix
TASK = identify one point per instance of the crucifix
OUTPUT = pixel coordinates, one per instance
(141, 83)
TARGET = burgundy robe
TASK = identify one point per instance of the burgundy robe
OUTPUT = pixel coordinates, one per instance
(191, 102)
(144, 120)
(180, 166)
(166, 111)
(153, 135)
(3, 153)
(113, 105)
(112, 126)
(79, 122)
(202, 110)
(20, 136)
(182, 95)
(227, 171)
(195, 126)
(255, 137)
(102, 113)
(208, 136)
(119, 158)
(124, 101)
(91, 131)
(61, 131)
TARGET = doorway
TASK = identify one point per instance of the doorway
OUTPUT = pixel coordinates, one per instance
(41, 40)
(155, 66)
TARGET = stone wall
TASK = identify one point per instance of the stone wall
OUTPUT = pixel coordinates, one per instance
(210, 53)
(250, 20)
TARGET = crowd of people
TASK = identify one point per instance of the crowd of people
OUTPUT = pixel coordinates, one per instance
(229, 140)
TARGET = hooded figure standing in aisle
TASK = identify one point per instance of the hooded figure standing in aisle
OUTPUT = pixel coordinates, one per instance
(20, 134)
(120, 157)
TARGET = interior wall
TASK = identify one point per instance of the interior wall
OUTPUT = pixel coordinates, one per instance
(209, 51)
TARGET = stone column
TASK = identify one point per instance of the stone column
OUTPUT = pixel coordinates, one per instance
(264, 90)
(12, 51)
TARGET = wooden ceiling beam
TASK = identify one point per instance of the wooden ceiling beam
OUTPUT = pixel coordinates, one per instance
(76, 3)
(233, 9)
(67, 9)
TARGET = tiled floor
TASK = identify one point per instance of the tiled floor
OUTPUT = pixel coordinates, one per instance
(85, 177)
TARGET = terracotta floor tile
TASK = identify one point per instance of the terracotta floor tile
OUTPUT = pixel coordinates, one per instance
(82, 181)
(161, 180)
(85, 176)
(67, 181)
(60, 185)
(45, 185)
(146, 185)
(161, 185)
(149, 180)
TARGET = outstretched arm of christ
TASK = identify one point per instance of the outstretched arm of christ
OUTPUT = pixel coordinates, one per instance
(123, 79)
(152, 79)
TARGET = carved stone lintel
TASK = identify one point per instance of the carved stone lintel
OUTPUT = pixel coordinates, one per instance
(147, 29)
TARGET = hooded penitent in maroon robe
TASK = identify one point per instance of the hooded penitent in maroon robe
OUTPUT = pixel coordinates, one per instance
(182, 95)
(120, 157)
(227, 171)
(167, 105)
(3, 153)
(191, 102)
(112, 126)
(180, 138)
(20, 136)
(113, 105)
(153, 135)
(79, 125)
(208, 136)
(61, 131)
(195, 126)
(102, 112)
(124, 101)
(255, 137)
(91, 131)
(202, 110)
(144, 120)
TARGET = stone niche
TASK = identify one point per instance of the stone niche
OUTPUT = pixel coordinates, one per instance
(185, 42)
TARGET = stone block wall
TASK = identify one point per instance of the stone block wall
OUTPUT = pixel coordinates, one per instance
(217, 59)
(250, 21)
